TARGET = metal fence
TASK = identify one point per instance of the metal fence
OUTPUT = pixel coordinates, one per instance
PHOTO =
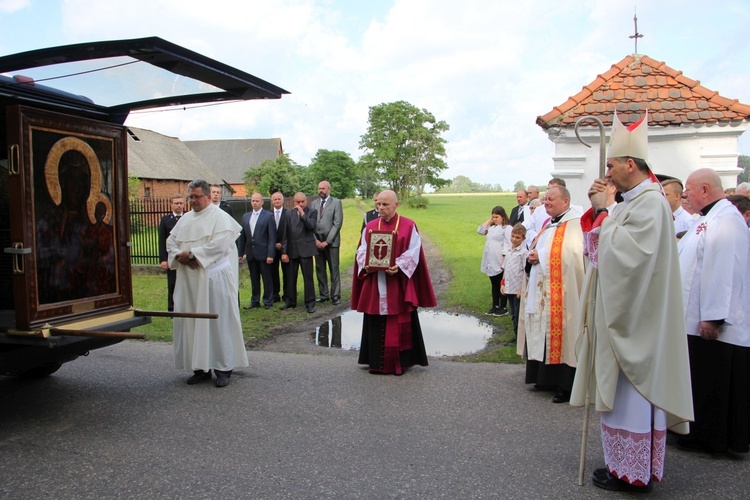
(145, 215)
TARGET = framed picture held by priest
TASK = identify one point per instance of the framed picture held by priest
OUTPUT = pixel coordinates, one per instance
(380, 254)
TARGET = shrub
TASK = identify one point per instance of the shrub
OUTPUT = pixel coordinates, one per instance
(417, 202)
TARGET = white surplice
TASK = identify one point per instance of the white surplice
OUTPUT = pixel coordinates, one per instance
(715, 273)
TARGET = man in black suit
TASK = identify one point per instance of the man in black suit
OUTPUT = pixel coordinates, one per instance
(258, 239)
(298, 247)
(216, 196)
(279, 217)
(517, 214)
(165, 228)
(372, 214)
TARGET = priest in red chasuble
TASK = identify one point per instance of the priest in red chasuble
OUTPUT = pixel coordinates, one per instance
(391, 281)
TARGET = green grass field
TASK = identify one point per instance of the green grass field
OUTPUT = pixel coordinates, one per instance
(450, 222)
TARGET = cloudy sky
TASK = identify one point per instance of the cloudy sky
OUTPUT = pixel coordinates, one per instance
(486, 67)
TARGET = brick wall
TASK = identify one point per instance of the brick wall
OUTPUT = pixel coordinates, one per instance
(161, 188)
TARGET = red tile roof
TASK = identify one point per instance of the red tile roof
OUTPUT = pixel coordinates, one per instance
(638, 83)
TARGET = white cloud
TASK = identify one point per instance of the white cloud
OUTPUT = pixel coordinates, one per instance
(486, 67)
(11, 6)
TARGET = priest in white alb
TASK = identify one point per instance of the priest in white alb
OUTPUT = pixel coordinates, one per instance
(547, 335)
(632, 355)
(202, 249)
(715, 281)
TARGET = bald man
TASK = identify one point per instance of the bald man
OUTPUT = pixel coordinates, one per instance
(714, 267)
(328, 233)
(389, 293)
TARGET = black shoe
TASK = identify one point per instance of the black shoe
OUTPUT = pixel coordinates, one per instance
(321, 300)
(611, 483)
(311, 310)
(222, 380)
(601, 473)
(199, 376)
(502, 312)
(251, 306)
(561, 397)
(287, 306)
(269, 306)
(336, 302)
(495, 311)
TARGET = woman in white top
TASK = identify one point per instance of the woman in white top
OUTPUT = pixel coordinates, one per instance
(497, 229)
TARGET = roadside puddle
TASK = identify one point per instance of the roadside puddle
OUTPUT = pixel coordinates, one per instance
(445, 334)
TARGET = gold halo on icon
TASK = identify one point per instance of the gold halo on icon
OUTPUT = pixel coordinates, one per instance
(52, 175)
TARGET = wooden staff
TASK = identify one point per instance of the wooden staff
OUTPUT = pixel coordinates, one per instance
(56, 332)
(171, 314)
(590, 321)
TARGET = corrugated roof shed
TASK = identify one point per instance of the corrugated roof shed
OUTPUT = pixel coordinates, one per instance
(231, 158)
(155, 156)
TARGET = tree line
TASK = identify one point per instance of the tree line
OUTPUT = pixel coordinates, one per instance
(402, 150)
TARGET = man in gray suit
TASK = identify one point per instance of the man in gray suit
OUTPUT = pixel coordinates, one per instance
(327, 234)
(297, 249)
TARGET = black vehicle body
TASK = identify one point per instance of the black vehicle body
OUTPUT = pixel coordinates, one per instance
(65, 284)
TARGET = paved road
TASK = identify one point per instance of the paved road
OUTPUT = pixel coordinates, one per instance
(122, 423)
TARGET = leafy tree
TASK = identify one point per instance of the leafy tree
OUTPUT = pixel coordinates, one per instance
(743, 162)
(281, 174)
(518, 186)
(462, 184)
(404, 146)
(490, 188)
(368, 178)
(336, 167)
(134, 184)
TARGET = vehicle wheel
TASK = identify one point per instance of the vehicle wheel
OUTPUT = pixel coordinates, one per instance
(41, 371)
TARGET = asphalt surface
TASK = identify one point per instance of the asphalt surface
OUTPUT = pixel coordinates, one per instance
(122, 423)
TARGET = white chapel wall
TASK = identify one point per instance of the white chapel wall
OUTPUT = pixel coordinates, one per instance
(673, 151)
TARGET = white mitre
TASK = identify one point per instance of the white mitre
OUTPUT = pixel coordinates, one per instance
(629, 141)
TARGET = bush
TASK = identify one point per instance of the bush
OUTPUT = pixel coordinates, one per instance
(417, 202)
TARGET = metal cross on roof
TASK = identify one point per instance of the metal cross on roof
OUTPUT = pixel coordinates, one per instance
(636, 35)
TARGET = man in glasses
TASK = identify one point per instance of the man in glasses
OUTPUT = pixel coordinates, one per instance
(202, 249)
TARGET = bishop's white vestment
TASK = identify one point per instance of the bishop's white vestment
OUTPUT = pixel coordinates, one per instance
(632, 352)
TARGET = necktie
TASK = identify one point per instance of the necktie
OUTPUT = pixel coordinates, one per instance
(253, 220)
(322, 206)
(277, 214)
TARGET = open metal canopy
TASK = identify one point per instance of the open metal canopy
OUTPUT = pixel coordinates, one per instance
(109, 79)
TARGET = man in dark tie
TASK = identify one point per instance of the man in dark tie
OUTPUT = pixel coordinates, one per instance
(298, 248)
(258, 241)
(279, 212)
(216, 199)
(327, 232)
(517, 214)
(165, 228)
